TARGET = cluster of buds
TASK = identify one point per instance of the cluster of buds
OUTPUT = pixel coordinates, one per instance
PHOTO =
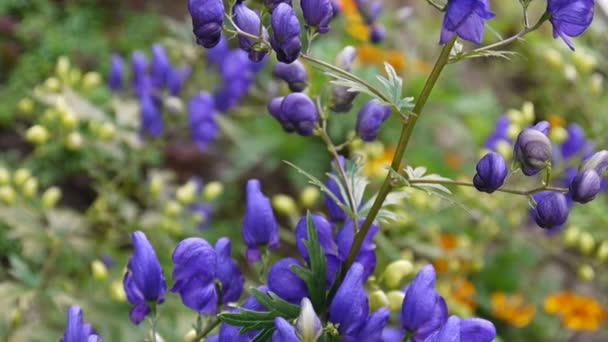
(578, 67)
(23, 183)
(68, 76)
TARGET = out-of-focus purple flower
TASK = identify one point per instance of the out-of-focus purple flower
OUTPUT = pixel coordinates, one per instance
(285, 38)
(117, 73)
(207, 21)
(285, 283)
(201, 116)
(585, 186)
(499, 134)
(271, 4)
(377, 34)
(373, 328)
(197, 268)
(390, 334)
(77, 330)
(466, 19)
(205, 211)
(299, 113)
(237, 78)
(576, 144)
(144, 281)
(284, 332)
(260, 226)
(369, 10)
(217, 54)
(139, 65)
(370, 119)
(570, 18)
(335, 212)
(469, 330)
(294, 74)
(532, 151)
(177, 78)
(317, 14)
(342, 99)
(367, 253)
(349, 308)
(544, 127)
(249, 21)
(551, 210)
(491, 173)
(336, 8)
(598, 162)
(161, 66)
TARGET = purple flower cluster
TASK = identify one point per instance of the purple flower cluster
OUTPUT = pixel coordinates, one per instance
(77, 330)
(370, 11)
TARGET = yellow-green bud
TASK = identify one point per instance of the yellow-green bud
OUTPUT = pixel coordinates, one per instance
(117, 291)
(396, 271)
(26, 105)
(7, 194)
(50, 197)
(74, 141)
(516, 117)
(69, 121)
(586, 272)
(99, 270)
(106, 131)
(157, 185)
(62, 69)
(558, 135)
(395, 300)
(186, 194)
(173, 208)
(571, 236)
(309, 196)
(586, 243)
(527, 110)
(190, 336)
(570, 73)
(378, 299)
(585, 62)
(5, 176)
(212, 191)
(199, 218)
(52, 84)
(597, 84)
(21, 175)
(554, 58)
(602, 252)
(513, 131)
(504, 149)
(420, 199)
(374, 149)
(75, 76)
(91, 80)
(30, 187)
(37, 134)
(284, 204)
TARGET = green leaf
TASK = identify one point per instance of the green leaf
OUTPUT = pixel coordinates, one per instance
(276, 304)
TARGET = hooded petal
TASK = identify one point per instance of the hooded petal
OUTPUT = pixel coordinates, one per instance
(350, 307)
(260, 226)
(285, 283)
(420, 300)
(228, 272)
(145, 268)
(285, 332)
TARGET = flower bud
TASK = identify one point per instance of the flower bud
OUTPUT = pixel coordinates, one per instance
(157, 184)
(309, 196)
(173, 208)
(190, 336)
(551, 210)
(285, 38)
(554, 58)
(512, 131)
(207, 21)
(69, 121)
(377, 33)
(248, 21)
(543, 126)
(294, 74)
(62, 69)
(99, 270)
(296, 113)
(117, 292)
(284, 204)
(395, 300)
(532, 151)
(585, 186)
(586, 243)
(342, 99)
(602, 252)
(186, 194)
(570, 73)
(317, 14)
(505, 149)
(370, 119)
(5, 176)
(37, 135)
(117, 73)
(586, 272)
(378, 299)
(571, 236)
(50, 197)
(527, 111)
(91, 80)
(30, 187)
(52, 84)
(558, 135)
(395, 273)
(308, 325)
(491, 173)
(21, 175)
(106, 131)
(75, 76)
(74, 141)
(26, 105)
(585, 62)
(212, 191)
(598, 162)
(7, 194)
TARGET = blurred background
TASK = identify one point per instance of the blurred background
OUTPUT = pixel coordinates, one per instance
(77, 175)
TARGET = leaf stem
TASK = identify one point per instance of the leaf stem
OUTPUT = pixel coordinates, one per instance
(208, 328)
(436, 5)
(509, 191)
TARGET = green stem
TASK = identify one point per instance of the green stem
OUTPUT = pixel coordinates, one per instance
(436, 5)
(208, 328)
(509, 191)
(404, 139)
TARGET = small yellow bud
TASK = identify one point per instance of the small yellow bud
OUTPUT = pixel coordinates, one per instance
(37, 135)
(62, 69)
(396, 271)
(513, 131)
(21, 175)
(284, 204)
(7, 194)
(199, 217)
(504, 149)
(30, 187)
(378, 299)
(554, 58)
(52, 84)
(50, 197)
(212, 191)
(570, 73)
(99, 270)
(190, 336)
(558, 135)
(586, 272)
(571, 236)
(75, 76)
(395, 300)
(585, 62)
(516, 117)
(157, 185)
(26, 105)
(186, 194)
(74, 141)
(91, 80)
(173, 208)
(50, 115)
(602, 252)
(69, 121)
(106, 131)
(597, 84)
(586, 243)
(374, 149)
(5, 176)
(117, 291)
(527, 111)
(309, 196)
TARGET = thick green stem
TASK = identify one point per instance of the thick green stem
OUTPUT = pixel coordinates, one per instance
(404, 139)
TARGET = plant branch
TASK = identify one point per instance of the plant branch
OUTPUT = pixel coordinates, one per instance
(436, 5)
(509, 191)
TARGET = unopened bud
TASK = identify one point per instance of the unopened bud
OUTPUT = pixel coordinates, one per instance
(602, 252)
(570, 73)
(91, 80)
(117, 291)
(212, 191)
(396, 271)
(173, 208)
(527, 110)
(378, 299)
(106, 131)
(5, 176)
(50, 197)
(308, 325)
(69, 121)
(37, 135)
(515, 117)
(74, 141)
(513, 131)
(571, 236)
(30, 187)
(309, 196)
(395, 300)
(586, 272)
(99, 270)
(190, 336)
(284, 204)
(586, 243)
(7, 194)
(558, 135)
(21, 175)
(75, 76)
(504, 149)
(26, 105)
(186, 194)
(554, 58)
(156, 185)
(62, 69)
(52, 84)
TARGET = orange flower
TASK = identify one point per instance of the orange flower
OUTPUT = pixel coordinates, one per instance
(556, 121)
(512, 309)
(378, 166)
(578, 313)
(397, 60)
(463, 291)
(370, 55)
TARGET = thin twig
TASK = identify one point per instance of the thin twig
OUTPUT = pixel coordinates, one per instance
(469, 184)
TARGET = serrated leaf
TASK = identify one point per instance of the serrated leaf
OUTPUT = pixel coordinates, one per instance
(276, 304)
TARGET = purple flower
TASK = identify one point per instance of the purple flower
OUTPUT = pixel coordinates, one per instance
(392, 335)
(260, 226)
(570, 18)
(284, 332)
(249, 21)
(499, 134)
(335, 212)
(551, 210)
(139, 64)
(144, 281)
(274, 3)
(377, 34)
(350, 308)
(294, 74)
(161, 66)
(373, 328)
(285, 283)
(342, 98)
(207, 21)
(285, 38)
(237, 78)
(151, 117)
(370, 119)
(585, 186)
(326, 240)
(197, 268)
(598, 162)
(370, 10)
(469, 330)
(317, 14)
(117, 73)
(177, 78)
(77, 330)
(576, 144)
(532, 151)
(466, 19)
(201, 116)
(217, 54)
(367, 253)
(300, 113)
(491, 173)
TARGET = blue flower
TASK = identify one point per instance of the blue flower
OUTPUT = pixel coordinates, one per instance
(491, 173)
(367, 253)
(77, 330)
(294, 74)
(326, 240)
(551, 210)
(237, 77)
(532, 151)
(197, 268)
(468, 330)
(285, 283)
(349, 308)
(373, 328)
(543, 126)
(370, 119)
(260, 226)
(377, 33)
(342, 99)
(299, 113)
(284, 332)
(161, 66)
(335, 212)
(177, 78)
(570, 18)
(139, 66)
(285, 38)
(248, 21)
(217, 54)
(500, 133)
(151, 117)
(466, 19)
(201, 116)
(117, 73)
(207, 21)
(317, 14)
(370, 10)
(144, 281)
(585, 186)
(598, 162)
(576, 144)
